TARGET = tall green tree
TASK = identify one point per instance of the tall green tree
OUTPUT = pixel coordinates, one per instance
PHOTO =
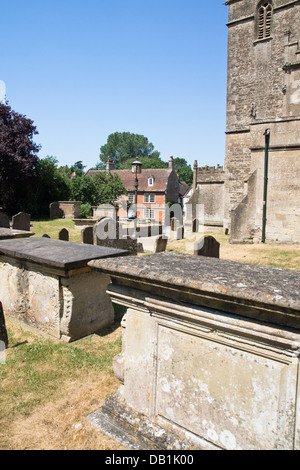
(124, 146)
(147, 162)
(184, 170)
(102, 188)
(51, 185)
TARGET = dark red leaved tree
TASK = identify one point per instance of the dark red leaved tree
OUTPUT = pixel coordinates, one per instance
(18, 159)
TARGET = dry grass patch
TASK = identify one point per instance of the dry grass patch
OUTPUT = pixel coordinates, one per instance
(49, 388)
(276, 255)
(62, 424)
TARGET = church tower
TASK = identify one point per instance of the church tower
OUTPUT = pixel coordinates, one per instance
(262, 162)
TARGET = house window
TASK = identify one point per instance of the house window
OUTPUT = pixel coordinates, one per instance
(149, 198)
(130, 197)
(149, 214)
(151, 181)
(265, 11)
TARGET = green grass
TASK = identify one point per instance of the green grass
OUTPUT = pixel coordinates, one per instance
(53, 227)
(36, 368)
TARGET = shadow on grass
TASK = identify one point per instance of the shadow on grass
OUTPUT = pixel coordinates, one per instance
(120, 311)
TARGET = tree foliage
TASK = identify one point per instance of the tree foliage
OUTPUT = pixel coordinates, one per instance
(51, 184)
(147, 162)
(102, 188)
(18, 158)
(184, 170)
(124, 146)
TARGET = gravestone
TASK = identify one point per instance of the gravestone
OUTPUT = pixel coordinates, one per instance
(87, 235)
(21, 221)
(109, 233)
(64, 235)
(55, 211)
(4, 220)
(179, 233)
(45, 236)
(207, 246)
(161, 244)
(3, 332)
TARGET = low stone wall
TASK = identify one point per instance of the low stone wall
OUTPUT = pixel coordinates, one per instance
(211, 354)
(46, 284)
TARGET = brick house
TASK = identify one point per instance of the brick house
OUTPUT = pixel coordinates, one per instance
(156, 187)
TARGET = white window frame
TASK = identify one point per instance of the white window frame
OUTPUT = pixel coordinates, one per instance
(149, 214)
(149, 198)
(151, 181)
(131, 197)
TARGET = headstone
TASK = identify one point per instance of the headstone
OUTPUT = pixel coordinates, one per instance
(179, 233)
(21, 221)
(161, 244)
(64, 235)
(4, 220)
(45, 236)
(55, 211)
(140, 248)
(87, 235)
(3, 332)
(207, 246)
(109, 233)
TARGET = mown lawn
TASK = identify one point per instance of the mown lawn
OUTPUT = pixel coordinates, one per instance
(49, 388)
(53, 227)
(277, 255)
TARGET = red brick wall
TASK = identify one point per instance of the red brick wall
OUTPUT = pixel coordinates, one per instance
(158, 207)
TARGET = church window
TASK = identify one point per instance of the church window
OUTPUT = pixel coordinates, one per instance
(265, 11)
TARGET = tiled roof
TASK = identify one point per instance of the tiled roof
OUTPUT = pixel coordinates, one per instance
(160, 176)
(183, 188)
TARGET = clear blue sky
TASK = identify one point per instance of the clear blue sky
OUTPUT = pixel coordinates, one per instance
(82, 70)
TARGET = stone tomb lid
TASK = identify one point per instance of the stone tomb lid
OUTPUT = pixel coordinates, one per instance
(227, 281)
(56, 253)
(7, 233)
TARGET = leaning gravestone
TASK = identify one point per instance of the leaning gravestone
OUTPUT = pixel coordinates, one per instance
(161, 244)
(3, 332)
(4, 220)
(21, 221)
(207, 246)
(64, 235)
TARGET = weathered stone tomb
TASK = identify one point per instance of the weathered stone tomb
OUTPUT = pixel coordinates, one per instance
(210, 354)
(47, 284)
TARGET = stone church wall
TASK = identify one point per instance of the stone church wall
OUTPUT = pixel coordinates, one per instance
(263, 92)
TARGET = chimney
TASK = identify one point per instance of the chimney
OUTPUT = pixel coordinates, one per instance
(171, 164)
(110, 165)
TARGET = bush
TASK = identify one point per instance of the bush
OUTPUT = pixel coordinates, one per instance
(85, 211)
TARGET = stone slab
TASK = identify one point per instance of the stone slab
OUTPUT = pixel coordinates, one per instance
(263, 292)
(56, 253)
(7, 233)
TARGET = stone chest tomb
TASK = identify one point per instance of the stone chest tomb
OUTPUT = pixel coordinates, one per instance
(48, 285)
(210, 354)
